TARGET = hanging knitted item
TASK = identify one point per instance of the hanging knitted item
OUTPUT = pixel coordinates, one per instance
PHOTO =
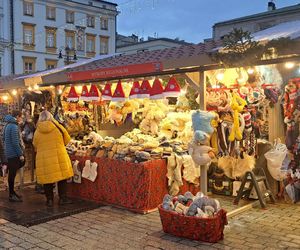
(237, 105)
(72, 96)
(119, 94)
(145, 89)
(84, 94)
(172, 89)
(135, 90)
(157, 90)
(93, 93)
(106, 93)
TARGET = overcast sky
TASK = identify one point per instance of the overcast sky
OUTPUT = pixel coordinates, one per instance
(191, 20)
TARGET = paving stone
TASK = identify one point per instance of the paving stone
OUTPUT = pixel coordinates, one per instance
(7, 244)
(26, 245)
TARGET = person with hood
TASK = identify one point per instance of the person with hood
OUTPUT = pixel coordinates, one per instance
(52, 160)
(13, 150)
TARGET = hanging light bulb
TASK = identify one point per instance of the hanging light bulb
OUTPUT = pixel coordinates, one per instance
(289, 65)
(36, 87)
(220, 76)
(250, 71)
(60, 91)
(30, 88)
(5, 98)
(14, 92)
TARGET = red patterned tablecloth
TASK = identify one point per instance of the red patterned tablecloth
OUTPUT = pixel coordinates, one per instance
(136, 186)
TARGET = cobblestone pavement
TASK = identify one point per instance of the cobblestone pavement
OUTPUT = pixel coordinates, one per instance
(278, 227)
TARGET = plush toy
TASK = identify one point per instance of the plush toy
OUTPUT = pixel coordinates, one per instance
(167, 202)
(202, 121)
(199, 150)
(180, 208)
(202, 202)
(237, 106)
(95, 138)
(130, 107)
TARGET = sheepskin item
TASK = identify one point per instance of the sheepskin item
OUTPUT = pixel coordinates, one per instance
(77, 173)
(90, 170)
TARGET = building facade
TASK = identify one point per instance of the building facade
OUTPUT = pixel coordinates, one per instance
(41, 31)
(131, 45)
(258, 22)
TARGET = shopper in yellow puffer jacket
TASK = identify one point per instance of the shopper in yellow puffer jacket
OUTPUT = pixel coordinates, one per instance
(52, 161)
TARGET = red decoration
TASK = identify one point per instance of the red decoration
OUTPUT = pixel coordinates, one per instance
(94, 93)
(145, 89)
(156, 90)
(119, 94)
(135, 90)
(142, 188)
(84, 94)
(106, 93)
(72, 96)
(172, 89)
(192, 227)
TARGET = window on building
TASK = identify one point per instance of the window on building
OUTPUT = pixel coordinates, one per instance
(51, 64)
(70, 39)
(28, 8)
(50, 13)
(50, 37)
(28, 35)
(104, 23)
(104, 45)
(69, 16)
(28, 64)
(90, 21)
(90, 43)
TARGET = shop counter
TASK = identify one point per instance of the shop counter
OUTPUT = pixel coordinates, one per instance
(139, 187)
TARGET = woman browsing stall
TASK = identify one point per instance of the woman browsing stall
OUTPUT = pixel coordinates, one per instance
(52, 161)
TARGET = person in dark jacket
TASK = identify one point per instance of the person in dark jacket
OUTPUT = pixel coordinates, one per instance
(13, 151)
(3, 161)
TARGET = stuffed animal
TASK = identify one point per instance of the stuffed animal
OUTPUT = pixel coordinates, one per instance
(95, 138)
(201, 203)
(199, 150)
(202, 121)
(237, 106)
(167, 202)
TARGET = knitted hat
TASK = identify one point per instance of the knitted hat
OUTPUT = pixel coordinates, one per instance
(84, 94)
(72, 96)
(135, 90)
(145, 89)
(172, 89)
(247, 119)
(94, 93)
(119, 94)
(156, 90)
(106, 93)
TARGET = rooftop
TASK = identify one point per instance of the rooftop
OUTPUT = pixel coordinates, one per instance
(284, 10)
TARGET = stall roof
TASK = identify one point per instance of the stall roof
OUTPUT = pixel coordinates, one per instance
(9, 82)
(135, 64)
(288, 29)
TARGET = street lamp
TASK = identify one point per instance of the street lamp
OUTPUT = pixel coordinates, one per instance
(68, 55)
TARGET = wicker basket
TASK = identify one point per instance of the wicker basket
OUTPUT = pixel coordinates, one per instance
(192, 227)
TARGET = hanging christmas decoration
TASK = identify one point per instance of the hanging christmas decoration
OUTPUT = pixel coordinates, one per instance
(106, 93)
(172, 89)
(135, 90)
(94, 93)
(157, 90)
(84, 94)
(72, 96)
(119, 94)
(145, 89)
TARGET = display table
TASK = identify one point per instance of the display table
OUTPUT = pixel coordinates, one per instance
(139, 187)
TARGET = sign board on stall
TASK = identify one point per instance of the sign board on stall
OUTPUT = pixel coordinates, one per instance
(127, 70)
